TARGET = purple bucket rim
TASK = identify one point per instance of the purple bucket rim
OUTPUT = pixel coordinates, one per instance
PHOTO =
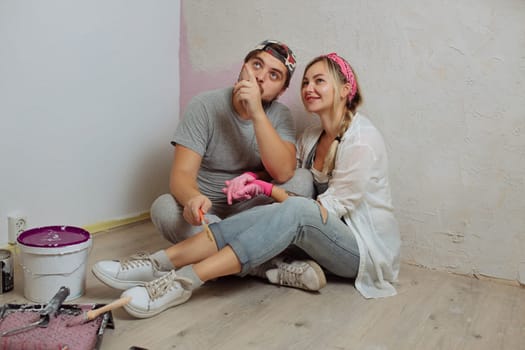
(57, 228)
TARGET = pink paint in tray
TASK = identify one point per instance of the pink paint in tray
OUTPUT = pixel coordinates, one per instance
(56, 335)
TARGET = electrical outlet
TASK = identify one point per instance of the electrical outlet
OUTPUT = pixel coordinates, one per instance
(16, 224)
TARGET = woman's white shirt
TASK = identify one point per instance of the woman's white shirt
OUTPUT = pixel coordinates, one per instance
(359, 192)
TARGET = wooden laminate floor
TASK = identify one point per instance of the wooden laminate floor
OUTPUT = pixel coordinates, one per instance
(433, 310)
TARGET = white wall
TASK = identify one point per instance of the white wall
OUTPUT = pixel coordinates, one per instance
(443, 80)
(89, 98)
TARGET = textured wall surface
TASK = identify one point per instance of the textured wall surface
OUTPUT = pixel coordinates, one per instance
(443, 80)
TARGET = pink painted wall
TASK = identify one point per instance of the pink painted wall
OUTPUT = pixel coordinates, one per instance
(194, 80)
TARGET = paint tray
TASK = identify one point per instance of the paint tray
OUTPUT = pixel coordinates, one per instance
(56, 335)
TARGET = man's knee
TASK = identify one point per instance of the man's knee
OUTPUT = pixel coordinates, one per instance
(166, 215)
(164, 209)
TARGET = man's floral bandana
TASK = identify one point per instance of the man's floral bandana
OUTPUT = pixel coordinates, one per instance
(285, 54)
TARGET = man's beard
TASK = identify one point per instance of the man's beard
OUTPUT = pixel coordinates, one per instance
(265, 102)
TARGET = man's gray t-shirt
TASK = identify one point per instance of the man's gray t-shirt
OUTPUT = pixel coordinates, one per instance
(227, 143)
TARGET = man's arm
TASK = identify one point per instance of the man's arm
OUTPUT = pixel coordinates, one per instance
(277, 155)
(183, 184)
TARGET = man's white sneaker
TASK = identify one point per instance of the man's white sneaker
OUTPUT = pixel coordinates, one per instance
(158, 295)
(135, 270)
(303, 274)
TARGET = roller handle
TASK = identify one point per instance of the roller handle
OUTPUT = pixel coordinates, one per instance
(55, 302)
(92, 314)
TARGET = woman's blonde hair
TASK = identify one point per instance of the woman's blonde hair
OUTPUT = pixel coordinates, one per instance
(339, 80)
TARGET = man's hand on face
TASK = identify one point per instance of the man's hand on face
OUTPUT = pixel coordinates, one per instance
(248, 91)
(244, 74)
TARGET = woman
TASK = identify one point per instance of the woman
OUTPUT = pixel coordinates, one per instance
(350, 230)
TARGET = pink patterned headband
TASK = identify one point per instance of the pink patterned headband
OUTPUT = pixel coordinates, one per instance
(347, 72)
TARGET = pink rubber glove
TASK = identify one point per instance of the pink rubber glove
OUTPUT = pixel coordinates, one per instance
(235, 184)
(253, 189)
(258, 187)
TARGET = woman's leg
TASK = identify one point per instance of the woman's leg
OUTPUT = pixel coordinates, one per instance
(191, 250)
(259, 234)
(209, 262)
(222, 263)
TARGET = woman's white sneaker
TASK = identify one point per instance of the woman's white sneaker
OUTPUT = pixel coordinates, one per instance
(158, 295)
(303, 274)
(135, 270)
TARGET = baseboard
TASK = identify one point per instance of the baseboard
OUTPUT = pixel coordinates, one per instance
(112, 224)
(483, 277)
(475, 275)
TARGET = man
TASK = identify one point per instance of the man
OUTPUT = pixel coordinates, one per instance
(225, 133)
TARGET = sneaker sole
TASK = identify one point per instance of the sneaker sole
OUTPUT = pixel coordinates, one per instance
(147, 314)
(113, 282)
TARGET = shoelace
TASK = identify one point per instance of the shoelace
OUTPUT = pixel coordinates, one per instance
(137, 260)
(159, 287)
(290, 274)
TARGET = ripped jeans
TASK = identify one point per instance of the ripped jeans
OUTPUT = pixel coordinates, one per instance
(261, 233)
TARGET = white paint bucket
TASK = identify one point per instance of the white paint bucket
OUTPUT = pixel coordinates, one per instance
(51, 257)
